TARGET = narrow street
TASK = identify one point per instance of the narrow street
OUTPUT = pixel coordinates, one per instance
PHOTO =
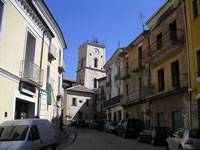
(88, 139)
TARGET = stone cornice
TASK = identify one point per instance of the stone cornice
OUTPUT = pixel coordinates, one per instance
(41, 6)
(34, 17)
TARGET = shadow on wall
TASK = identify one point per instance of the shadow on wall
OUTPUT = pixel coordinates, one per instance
(86, 112)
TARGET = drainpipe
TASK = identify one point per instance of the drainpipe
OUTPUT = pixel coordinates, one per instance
(188, 62)
(41, 56)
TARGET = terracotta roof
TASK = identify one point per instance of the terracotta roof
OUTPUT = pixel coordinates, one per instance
(68, 79)
(80, 88)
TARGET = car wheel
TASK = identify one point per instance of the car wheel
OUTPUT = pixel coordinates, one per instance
(139, 139)
(152, 142)
(180, 148)
(124, 135)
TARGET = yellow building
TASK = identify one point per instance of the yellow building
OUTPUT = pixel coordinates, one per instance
(167, 56)
(193, 28)
(31, 61)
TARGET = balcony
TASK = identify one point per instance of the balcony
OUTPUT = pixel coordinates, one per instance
(178, 83)
(125, 74)
(52, 53)
(170, 42)
(131, 98)
(137, 65)
(112, 101)
(61, 67)
(31, 73)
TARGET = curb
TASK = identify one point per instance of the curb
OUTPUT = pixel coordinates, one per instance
(67, 140)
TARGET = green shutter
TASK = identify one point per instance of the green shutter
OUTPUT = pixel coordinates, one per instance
(48, 93)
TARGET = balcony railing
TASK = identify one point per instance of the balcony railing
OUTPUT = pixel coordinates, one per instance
(112, 101)
(61, 67)
(52, 53)
(168, 43)
(31, 73)
(177, 83)
(108, 84)
(133, 97)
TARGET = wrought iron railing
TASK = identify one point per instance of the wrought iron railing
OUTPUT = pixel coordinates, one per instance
(31, 73)
(112, 101)
(169, 38)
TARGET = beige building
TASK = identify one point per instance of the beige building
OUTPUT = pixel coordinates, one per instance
(31, 61)
(135, 77)
(79, 103)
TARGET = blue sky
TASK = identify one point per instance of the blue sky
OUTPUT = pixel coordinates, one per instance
(110, 21)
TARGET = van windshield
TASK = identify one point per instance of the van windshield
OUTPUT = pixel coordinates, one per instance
(13, 133)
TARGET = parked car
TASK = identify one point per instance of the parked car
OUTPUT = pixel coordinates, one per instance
(71, 123)
(94, 124)
(27, 134)
(154, 135)
(111, 127)
(80, 123)
(129, 127)
(184, 139)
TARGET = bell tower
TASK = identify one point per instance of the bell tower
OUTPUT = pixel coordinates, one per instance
(91, 60)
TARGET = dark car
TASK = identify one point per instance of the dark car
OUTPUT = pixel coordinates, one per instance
(80, 123)
(129, 127)
(154, 135)
(94, 124)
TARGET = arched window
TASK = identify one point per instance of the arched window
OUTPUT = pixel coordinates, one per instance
(95, 62)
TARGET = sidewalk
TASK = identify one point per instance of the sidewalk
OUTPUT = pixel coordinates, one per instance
(65, 138)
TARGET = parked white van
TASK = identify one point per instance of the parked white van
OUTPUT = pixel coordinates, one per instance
(26, 134)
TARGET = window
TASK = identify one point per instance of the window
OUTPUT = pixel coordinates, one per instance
(127, 66)
(159, 41)
(198, 62)
(34, 134)
(140, 57)
(48, 73)
(81, 62)
(161, 83)
(175, 74)
(95, 83)
(173, 31)
(73, 101)
(87, 102)
(126, 89)
(59, 85)
(140, 88)
(59, 57)
(195, 8)
(95, 62)
(1, 14)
